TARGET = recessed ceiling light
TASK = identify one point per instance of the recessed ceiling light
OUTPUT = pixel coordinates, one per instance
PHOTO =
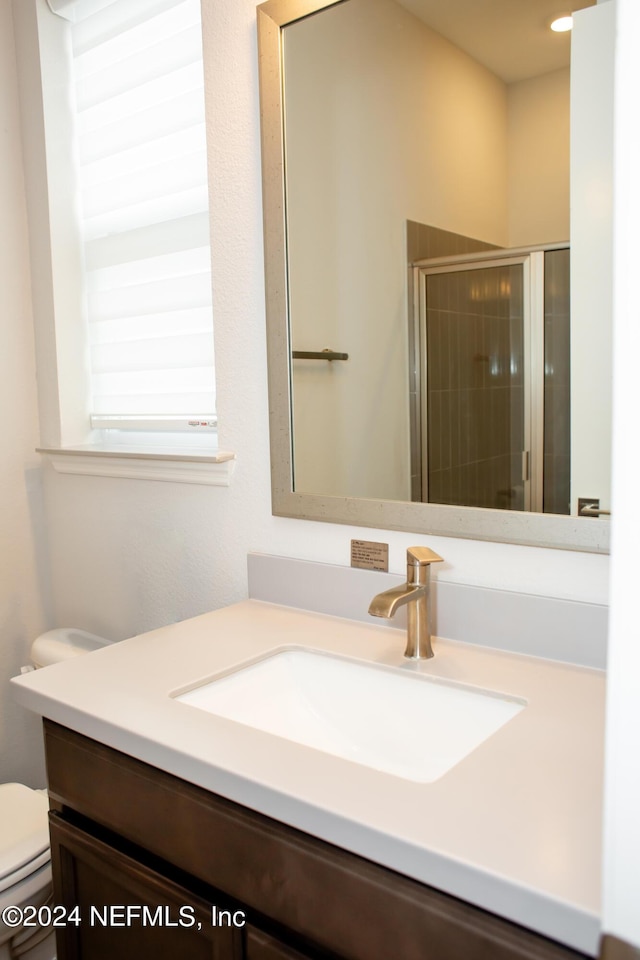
(563, 23)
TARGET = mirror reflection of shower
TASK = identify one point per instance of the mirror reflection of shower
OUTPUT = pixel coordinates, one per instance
(490, 401)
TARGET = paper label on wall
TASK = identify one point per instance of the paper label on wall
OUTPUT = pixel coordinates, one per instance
(369, 555)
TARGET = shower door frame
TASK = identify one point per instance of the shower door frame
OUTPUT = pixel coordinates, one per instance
(532, 261)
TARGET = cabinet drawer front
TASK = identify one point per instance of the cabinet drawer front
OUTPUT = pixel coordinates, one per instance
(127, 910)
(328, 897)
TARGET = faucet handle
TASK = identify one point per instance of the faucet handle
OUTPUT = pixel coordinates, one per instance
(421, 556)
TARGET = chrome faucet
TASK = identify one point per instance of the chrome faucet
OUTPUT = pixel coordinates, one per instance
(415, 593)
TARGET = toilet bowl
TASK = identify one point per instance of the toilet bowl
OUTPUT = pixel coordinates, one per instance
(25, 870)
(25, 861)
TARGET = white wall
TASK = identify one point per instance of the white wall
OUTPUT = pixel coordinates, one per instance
(23, 563)
(622, 797)
(129, 555)
(592, 98)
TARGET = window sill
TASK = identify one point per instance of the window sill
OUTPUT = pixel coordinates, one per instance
(174, 465)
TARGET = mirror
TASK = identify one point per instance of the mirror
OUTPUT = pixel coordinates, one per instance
(386, 189)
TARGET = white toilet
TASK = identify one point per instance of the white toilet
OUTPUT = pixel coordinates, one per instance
(25, 861)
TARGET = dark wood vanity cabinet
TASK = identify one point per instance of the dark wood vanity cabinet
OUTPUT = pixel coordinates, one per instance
(103, 882)
(127, 836)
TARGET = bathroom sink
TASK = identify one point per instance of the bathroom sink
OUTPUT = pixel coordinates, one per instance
(405, 724)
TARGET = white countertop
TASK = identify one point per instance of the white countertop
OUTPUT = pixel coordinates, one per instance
(514, 828)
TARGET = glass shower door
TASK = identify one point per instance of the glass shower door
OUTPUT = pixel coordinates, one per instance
(476, 388)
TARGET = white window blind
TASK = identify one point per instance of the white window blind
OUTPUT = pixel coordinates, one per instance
(141, 155)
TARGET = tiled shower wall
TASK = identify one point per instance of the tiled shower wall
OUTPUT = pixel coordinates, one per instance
(557, 384)
(475, 380)
(475, 388)
(425, 243)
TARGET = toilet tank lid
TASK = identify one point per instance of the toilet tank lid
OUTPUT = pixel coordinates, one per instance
(24, 828)
(62, 644)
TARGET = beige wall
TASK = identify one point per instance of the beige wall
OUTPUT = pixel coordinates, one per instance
(23, 564)
(538, 184)
(386, 121)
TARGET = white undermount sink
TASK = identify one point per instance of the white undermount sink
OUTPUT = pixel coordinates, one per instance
(405, 724)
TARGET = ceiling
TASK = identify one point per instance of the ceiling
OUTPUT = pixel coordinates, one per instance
(510, 37)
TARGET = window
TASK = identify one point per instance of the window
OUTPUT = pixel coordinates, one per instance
(138, 151)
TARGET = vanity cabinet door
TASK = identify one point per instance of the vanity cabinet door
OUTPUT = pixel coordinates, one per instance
(262, 946)
(103, 882)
